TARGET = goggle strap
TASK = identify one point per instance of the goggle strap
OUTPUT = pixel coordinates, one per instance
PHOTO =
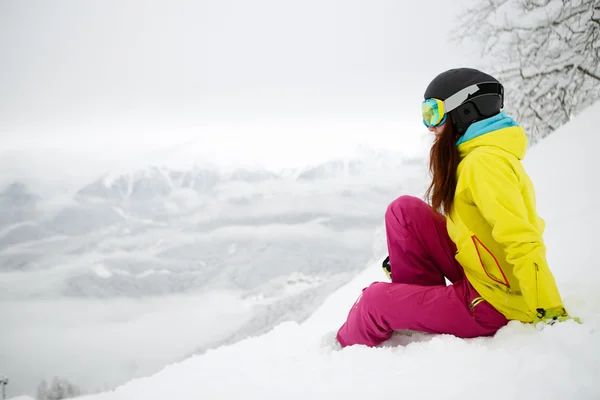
(452, 102)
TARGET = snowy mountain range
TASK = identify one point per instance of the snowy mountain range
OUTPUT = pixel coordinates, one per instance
(158, 195)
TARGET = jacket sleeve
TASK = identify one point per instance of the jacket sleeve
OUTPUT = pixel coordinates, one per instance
(496, 191)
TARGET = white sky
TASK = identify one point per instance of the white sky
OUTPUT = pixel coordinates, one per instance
(124, 75)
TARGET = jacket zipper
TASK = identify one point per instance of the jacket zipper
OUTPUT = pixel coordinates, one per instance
(474, 304)
(539, 311)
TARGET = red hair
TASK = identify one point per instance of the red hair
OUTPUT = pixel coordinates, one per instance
(443, 163)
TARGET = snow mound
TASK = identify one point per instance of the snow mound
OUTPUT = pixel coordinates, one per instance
(300, 361)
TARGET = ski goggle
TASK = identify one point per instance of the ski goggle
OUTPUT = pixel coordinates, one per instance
(434, 111)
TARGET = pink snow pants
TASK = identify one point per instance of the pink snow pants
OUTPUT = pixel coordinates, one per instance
(421, 255)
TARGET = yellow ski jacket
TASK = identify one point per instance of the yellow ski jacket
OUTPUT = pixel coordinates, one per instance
(496, 228)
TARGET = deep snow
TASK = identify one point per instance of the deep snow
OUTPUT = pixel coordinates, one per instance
(299, 361)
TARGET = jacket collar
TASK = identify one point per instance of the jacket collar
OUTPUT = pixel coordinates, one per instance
(498, 131)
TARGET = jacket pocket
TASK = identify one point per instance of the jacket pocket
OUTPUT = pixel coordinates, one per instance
(489, 263)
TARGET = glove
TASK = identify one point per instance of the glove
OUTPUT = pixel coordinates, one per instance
(552, 316)
(387, 268)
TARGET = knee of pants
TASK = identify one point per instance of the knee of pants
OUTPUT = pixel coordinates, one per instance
(374, 296)
(406, 205)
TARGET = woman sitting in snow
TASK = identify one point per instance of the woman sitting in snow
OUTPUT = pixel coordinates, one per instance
(489, 243)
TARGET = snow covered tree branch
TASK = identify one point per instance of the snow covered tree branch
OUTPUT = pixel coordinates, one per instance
(546, 52)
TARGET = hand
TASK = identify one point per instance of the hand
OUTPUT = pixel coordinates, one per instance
(552, 316)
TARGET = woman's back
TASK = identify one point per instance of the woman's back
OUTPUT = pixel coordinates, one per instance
(496, 228)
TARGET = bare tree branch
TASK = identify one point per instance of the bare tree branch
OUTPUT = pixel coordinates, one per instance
(546, 53)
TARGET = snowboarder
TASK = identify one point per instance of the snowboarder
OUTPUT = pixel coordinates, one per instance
(480, 229)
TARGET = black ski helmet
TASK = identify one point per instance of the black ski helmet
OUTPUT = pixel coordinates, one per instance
(485, 103)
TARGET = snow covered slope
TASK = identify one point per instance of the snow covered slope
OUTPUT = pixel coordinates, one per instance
(299, 361)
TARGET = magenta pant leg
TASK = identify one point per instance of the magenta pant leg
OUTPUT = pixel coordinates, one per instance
(385, 307)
